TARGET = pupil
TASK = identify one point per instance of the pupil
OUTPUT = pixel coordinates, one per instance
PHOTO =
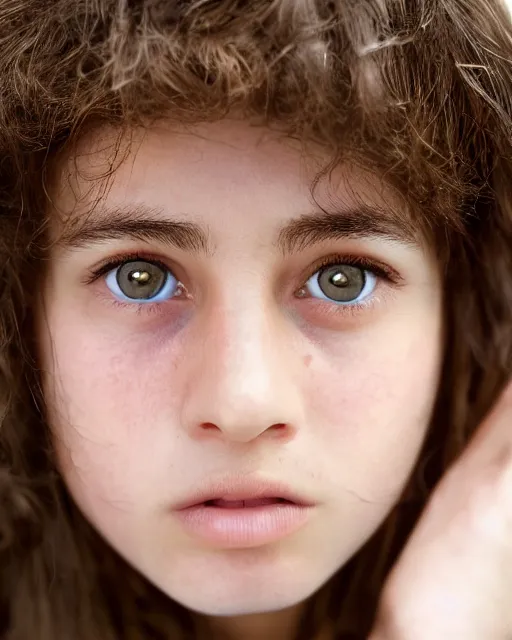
(342, 283)
(339, 279)
(140, 276)
(140, 280)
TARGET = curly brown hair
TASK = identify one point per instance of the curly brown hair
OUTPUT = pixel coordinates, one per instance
(420, 91)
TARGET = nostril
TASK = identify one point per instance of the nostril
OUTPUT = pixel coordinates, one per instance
(281, 431)
(240, 432)
(209, 426)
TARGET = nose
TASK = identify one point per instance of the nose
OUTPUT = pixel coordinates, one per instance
(242, 377)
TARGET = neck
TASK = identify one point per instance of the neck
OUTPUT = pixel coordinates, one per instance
(276, 625)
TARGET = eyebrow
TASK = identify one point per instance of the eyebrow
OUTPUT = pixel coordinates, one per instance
(363, 221)
(149, 224)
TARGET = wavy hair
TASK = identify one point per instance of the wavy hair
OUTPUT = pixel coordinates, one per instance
(419, 91)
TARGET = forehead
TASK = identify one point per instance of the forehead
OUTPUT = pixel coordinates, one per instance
(204, 171)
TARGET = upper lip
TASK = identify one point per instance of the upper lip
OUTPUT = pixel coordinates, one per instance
(243, 489)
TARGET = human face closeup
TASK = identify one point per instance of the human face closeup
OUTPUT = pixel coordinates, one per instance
(211, 332)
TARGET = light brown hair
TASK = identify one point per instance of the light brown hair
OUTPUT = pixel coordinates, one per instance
(420, 91)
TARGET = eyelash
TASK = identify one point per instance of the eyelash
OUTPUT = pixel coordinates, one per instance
(383, 271)
(379, 269)
(117, 261)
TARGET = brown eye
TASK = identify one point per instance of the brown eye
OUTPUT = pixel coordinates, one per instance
(342, 284)
(141, 281)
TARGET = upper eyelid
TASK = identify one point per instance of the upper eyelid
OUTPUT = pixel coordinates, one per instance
(115, 262)
(381, 270)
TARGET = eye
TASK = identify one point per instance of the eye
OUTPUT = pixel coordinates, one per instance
(342, 284)
(142, 282)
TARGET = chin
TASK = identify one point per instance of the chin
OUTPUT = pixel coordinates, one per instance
(240, 605)
(248, 592)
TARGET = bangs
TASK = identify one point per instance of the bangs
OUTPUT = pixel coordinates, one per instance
(419, 91)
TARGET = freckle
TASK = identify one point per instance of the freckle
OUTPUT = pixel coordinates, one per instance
(307, 360)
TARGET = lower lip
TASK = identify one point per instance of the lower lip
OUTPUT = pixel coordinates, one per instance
(245, 527)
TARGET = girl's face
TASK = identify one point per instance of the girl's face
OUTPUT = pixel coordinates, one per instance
(196, 346)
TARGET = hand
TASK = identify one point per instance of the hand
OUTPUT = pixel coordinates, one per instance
(453, 580)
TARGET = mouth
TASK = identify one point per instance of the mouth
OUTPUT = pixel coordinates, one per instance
(245, 504)
(243, 494)
(242, 517)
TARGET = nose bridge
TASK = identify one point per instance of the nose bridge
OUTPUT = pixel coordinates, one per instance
(242, 382)
(248, 362)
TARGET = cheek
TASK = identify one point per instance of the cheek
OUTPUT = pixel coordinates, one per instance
(373, 404)
(111, 410)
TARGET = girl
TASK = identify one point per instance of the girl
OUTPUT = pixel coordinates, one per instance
(256, 297)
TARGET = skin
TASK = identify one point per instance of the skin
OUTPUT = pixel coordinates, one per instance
(454, 577)
(246, 372)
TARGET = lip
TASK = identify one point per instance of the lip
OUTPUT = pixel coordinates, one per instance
(243, 489)
(236, 527)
